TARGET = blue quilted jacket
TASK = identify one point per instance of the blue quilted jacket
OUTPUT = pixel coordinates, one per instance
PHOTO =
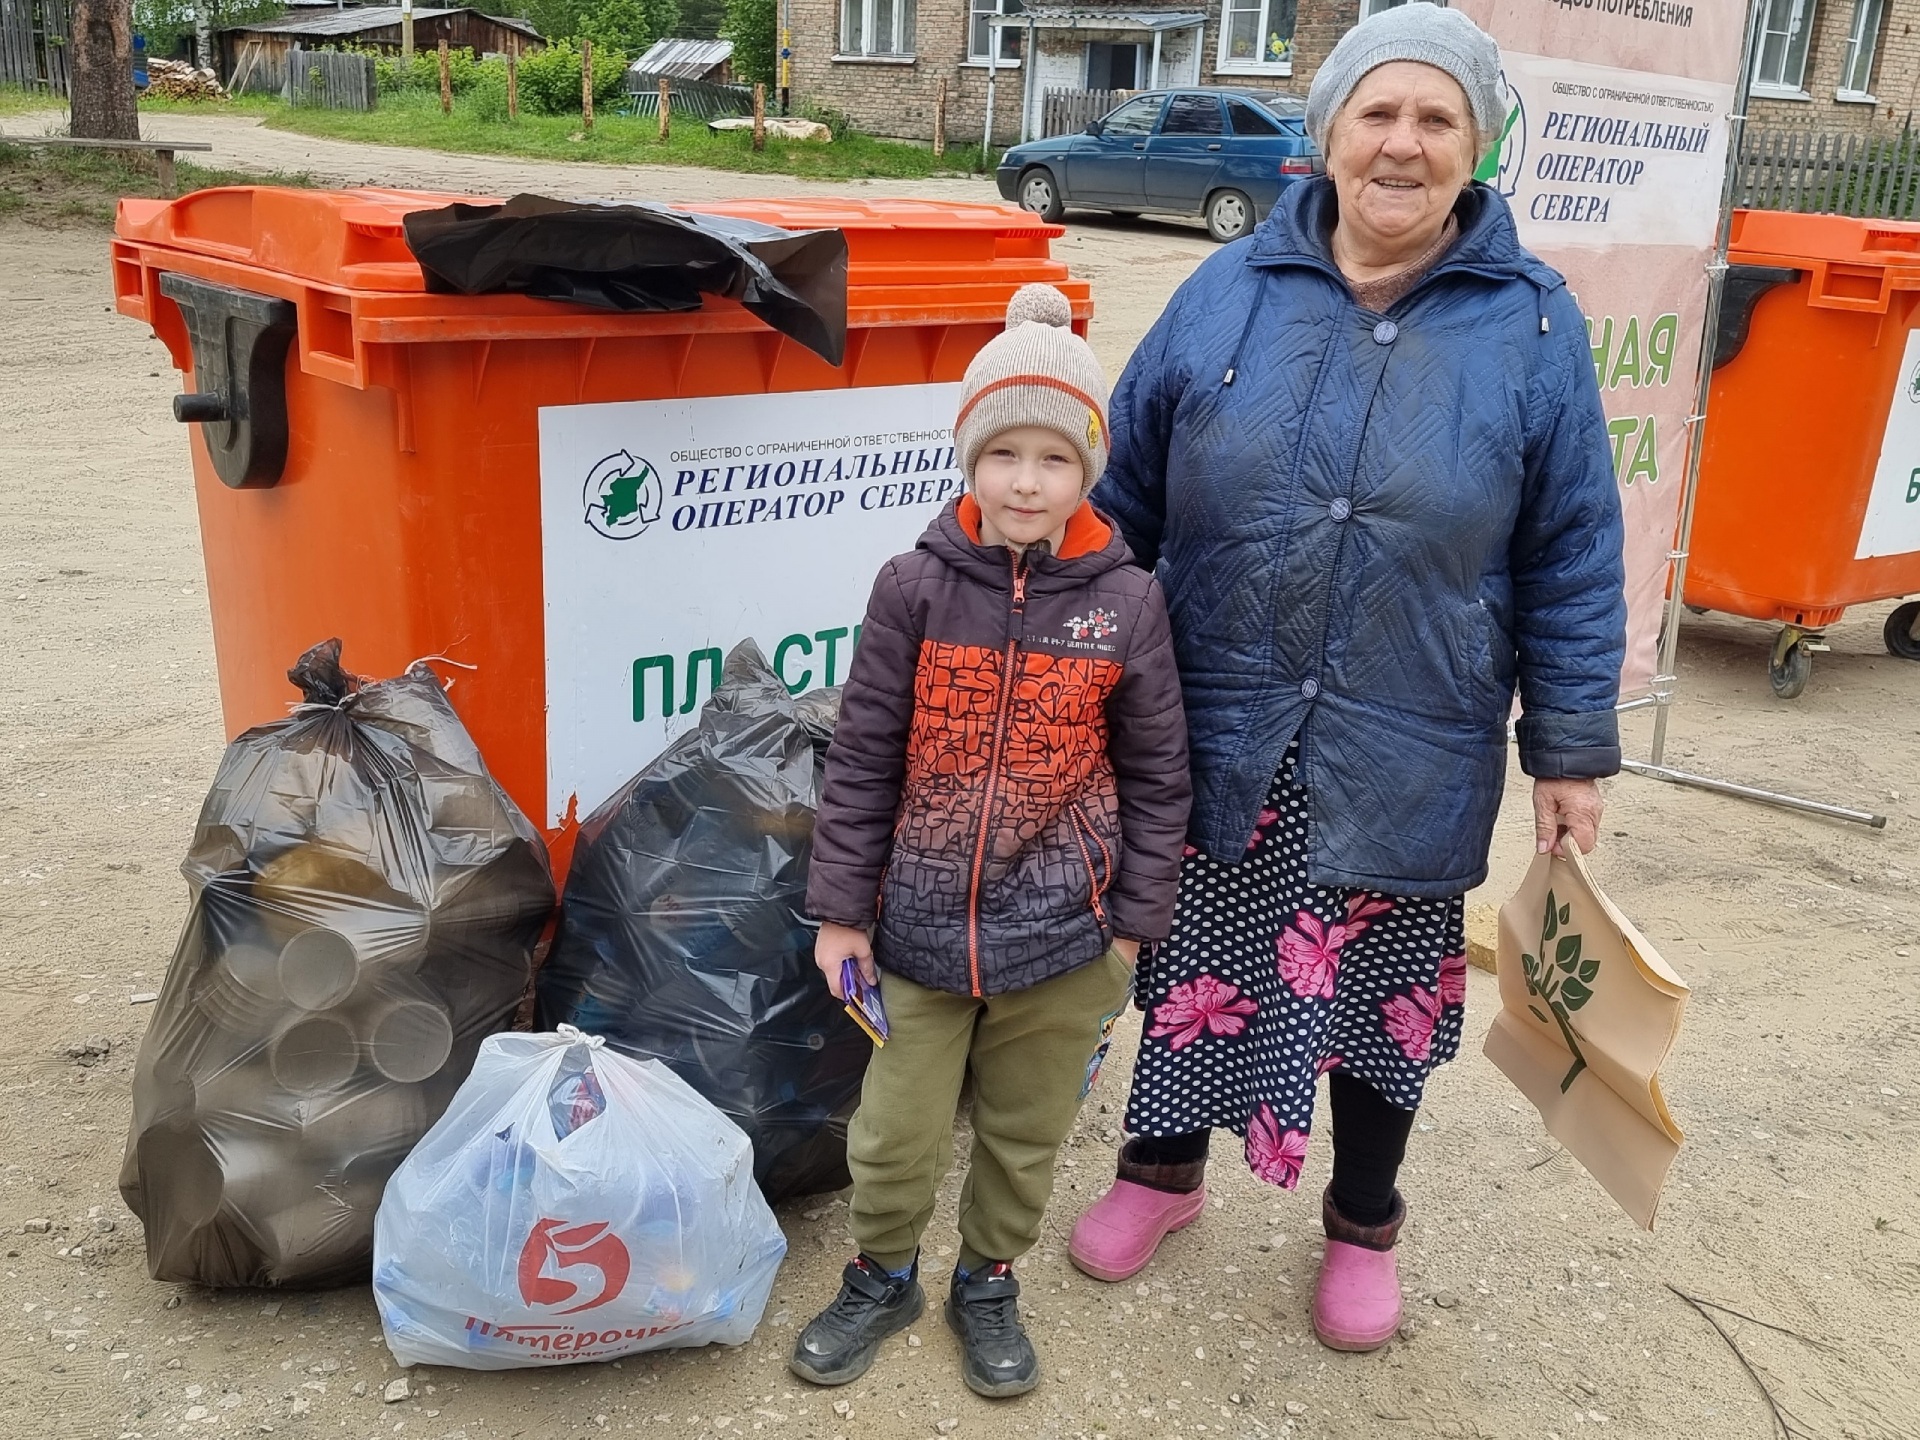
(1369, 529)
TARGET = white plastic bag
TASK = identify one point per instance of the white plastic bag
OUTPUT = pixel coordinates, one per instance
(572, 1204)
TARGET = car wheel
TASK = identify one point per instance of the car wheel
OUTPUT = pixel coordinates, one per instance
(1229, 215)
(1040, 194)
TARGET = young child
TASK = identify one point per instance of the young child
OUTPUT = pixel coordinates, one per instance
(1005, 805)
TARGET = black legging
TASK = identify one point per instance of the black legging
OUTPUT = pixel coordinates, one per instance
(1369, 1142)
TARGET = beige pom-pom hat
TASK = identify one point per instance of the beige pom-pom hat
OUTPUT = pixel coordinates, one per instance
(1038, 372)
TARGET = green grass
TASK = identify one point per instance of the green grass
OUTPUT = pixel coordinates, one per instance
(414, 118)
(54, 187)
(19, 100)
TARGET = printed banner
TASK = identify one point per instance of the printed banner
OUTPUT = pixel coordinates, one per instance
(1612, 157)
(671, 530)
(1891, 525)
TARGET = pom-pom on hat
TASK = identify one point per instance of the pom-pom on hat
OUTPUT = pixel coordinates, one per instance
(1036, 373)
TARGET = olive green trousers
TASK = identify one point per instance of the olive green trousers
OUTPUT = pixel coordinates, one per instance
(1033, 1054)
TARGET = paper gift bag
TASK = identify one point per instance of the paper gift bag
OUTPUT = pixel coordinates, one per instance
(1588, 1012)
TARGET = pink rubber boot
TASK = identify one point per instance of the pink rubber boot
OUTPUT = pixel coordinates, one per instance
(1116, 1236)
(1356, 1304)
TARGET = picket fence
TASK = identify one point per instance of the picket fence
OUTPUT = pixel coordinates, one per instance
(33, 44)
(1067, 112)
(696, 99)
(1876, 177)
(330, 80)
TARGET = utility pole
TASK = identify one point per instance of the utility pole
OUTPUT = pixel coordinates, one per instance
(406, 38)
(786, 55)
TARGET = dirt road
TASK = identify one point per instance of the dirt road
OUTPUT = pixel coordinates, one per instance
(1535, 1309)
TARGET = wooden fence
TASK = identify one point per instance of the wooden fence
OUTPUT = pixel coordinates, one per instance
(33, 44)
(1874, 176)
(330, 80)
(1067, 112)
(696, 99)
(258, 70)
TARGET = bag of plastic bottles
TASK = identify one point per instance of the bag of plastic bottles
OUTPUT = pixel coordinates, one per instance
(365, 905)
(683, 933)
(572, 1204)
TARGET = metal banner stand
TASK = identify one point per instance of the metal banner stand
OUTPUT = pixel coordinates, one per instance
(1664, 678)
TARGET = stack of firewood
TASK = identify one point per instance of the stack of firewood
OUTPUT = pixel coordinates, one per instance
(177, 80)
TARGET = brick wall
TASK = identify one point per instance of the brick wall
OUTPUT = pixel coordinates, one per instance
(1896, 75)
(897, 99)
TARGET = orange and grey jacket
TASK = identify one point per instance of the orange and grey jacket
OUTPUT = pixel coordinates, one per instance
(1007, 788)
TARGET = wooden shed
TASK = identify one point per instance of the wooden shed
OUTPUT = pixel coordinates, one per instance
(260, 48)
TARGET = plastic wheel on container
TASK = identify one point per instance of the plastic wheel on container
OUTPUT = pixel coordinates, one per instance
(1790, 667)
(1229, 215)
(1903, 631)
(1040, 194)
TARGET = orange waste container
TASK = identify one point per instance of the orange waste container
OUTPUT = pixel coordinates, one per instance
(1809, 497)
(587, 508)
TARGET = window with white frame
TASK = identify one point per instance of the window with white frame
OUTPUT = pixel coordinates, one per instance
(1785, 27)
(876, 27)
(1257, 35)
(978, 37)
(1856, 61)
(1370, 8)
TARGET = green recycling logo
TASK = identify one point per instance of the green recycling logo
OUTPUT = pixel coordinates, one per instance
(623, 496)
(1506, 161)
(1913, 386)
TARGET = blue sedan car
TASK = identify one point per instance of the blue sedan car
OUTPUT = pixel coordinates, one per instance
(1224, 155)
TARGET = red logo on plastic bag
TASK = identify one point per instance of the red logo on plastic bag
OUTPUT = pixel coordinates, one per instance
(590, 1246)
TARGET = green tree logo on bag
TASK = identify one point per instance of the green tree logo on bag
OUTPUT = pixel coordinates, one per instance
(1564, 984)
(622, 496)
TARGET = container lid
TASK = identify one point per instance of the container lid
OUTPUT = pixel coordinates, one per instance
(1778, 237)
(354, 240)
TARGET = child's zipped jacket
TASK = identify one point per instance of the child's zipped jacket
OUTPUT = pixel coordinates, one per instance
(1007, 788)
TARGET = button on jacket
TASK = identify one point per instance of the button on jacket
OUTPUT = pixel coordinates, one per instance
(1370, 529)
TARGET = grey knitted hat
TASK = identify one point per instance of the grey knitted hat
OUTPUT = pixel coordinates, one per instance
(1038, 372)
(1444, 39)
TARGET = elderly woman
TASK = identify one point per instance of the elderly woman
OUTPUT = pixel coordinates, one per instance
(1364, 450)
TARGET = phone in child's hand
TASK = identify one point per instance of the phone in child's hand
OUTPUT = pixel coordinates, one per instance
(863, 1001)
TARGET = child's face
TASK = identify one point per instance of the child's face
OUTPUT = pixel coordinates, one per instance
(1027, 483)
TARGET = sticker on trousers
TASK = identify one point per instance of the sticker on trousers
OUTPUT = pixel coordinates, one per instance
(1100, 1052)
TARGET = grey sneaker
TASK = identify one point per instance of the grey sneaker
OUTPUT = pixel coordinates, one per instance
(984, 1311)
(840, 1342)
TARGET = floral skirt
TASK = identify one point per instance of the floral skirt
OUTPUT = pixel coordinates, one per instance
(1268, 982)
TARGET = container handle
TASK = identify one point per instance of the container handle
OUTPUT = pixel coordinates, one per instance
(239, 341)
(1862, 289)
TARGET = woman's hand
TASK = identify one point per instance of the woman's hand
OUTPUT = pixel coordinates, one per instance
(1574, 806)
(1127, 950)
(838, 943)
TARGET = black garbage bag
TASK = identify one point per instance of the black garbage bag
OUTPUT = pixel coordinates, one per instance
(683, 935)
(633, 256)
(365, 905)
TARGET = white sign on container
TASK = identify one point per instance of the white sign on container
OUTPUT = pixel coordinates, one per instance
(671, 530)
(1892, 522)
